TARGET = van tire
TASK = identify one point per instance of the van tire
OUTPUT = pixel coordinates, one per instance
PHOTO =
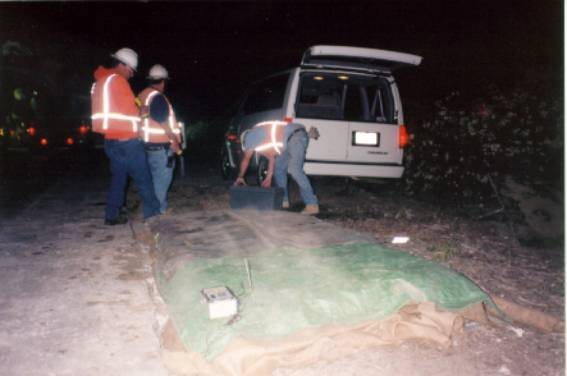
(255, 176)
(262, 170)
(227, 171)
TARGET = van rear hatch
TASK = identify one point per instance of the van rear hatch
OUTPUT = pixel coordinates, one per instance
(356, 115)
(357, 58)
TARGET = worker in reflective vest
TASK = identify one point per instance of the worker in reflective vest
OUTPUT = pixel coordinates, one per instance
(162, 132)
(284, 145)
(116, 116)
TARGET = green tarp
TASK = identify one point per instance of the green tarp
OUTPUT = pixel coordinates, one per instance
(294, 289)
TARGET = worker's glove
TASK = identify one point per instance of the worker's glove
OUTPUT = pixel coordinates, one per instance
(313, 133)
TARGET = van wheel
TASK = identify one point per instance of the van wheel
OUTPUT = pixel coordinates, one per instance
(262, 171)
(257, 176)
(227, 171)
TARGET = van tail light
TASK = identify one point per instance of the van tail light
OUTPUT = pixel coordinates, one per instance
(288, 119)
(83, 130)
(70, 141)
(232, 137)
(403, 137)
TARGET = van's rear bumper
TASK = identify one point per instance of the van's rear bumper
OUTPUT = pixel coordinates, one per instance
(354, 169)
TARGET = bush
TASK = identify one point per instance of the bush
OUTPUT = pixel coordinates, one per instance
(204, 137)
(465, 144)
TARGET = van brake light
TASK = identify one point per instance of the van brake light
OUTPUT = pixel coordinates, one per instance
(232, 138)
(403, 139)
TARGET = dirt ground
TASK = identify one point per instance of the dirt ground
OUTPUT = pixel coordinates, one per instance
(77, 296)
(484, 251)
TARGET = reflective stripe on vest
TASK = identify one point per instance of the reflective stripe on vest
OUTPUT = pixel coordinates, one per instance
(149, 130)
(106, 115)
(274, 132)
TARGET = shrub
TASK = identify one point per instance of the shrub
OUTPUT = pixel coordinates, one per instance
(204, 137)
(464, 145)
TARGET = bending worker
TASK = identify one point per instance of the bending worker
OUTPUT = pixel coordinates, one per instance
(285, 145)
(116, 116)
(162, 132)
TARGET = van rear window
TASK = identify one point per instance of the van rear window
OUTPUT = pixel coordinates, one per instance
(341, 96)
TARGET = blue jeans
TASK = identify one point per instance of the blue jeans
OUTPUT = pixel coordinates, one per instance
(128, 158)
(291, 161)
(162, 174)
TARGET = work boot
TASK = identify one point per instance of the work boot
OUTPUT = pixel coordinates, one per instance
(150, 229)
(153, 220)
(120, 220)
(285, 204)
(311, 209)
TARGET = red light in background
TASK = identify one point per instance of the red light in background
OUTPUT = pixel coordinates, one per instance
(83, 129)
(70, 141)
(43, 141)
(31, 131)
(231, 137)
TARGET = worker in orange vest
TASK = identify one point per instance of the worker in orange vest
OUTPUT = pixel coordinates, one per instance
(161, 132)
(284, 145)
(116, 116)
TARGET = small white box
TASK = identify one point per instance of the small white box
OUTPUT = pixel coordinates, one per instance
(221, 302)
(400, 240)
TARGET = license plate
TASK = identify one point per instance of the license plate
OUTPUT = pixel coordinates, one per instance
(365, 138)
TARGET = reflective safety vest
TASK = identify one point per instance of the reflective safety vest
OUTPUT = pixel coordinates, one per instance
(114, 112)
(153, 131)
(274, 136)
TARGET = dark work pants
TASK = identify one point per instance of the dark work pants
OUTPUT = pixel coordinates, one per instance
(128, 158)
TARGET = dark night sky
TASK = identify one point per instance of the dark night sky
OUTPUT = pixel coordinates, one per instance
(213, 49)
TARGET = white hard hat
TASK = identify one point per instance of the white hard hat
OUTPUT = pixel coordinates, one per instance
(158, 72)
(127, 56)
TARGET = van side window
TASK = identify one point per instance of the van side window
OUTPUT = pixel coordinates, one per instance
(266, 95)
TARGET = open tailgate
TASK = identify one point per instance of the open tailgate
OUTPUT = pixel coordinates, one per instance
(357, 58)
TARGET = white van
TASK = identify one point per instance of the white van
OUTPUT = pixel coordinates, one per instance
(346, 95)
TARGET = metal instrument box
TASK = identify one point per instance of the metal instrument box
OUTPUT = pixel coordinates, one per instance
(220, 301)
(242, 197)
